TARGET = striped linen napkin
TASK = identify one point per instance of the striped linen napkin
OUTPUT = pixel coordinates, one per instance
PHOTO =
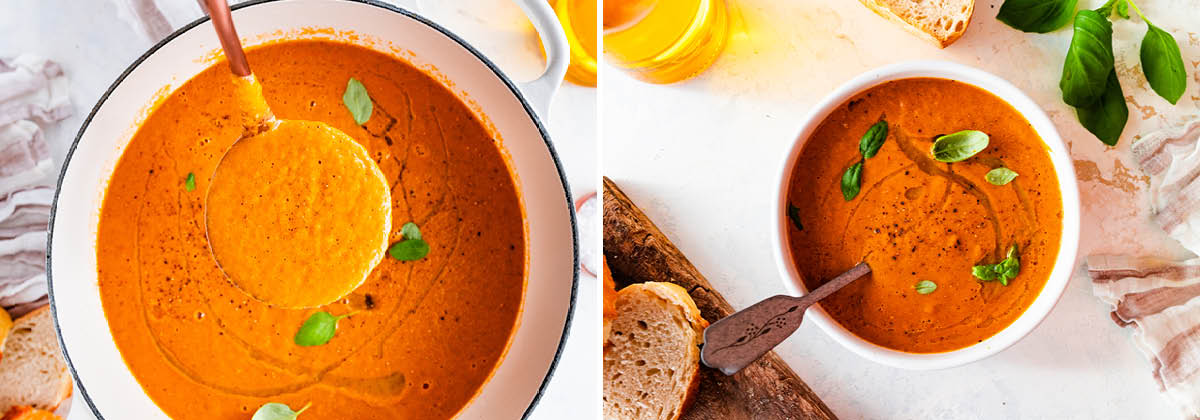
(1158, 298)
(32, 91)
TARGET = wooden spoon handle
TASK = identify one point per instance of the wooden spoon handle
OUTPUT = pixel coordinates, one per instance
(734, 342)
(218, 10)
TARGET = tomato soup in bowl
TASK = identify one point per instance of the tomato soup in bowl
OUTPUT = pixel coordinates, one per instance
(957, 191)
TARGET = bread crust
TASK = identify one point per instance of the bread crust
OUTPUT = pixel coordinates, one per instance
(887, 13)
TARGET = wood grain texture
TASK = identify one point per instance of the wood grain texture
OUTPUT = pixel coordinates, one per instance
(767, 389)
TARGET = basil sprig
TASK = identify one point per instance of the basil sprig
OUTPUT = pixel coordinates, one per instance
(793, 213)
(870, 143)
(959, 146)
(868, 146)
(1163, 64)
(1038, 16)
(318, 329)
(190, 183)
(358, 101)
(277, 411)
(1000, 176)
(1107, 117)
(1089, 60)
(1089, 82)
(1003, 271)
(412, 247)
(852, 180)
(925, 287)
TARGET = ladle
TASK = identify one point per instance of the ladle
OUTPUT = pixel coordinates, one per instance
(297, 213)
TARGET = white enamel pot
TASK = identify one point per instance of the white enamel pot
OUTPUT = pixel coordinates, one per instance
(104, 381)
(1064, 264)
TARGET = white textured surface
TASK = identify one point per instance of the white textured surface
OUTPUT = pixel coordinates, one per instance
(95, 46)
(701, 158)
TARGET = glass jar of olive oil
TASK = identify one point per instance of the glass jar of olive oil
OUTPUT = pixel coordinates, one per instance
(664, 41)
(578, 18)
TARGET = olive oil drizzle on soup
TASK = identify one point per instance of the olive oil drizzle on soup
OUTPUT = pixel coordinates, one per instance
(917, 219)
(425, 334)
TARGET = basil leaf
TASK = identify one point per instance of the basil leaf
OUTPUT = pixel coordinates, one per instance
(1089, 60)
(190, 183)
(1123, 9)
(1163, 64)
(410, 231)
(318, 329)
(1012, 251)
(409, 250)
(925, 287)
(277, 411)
(1106, 119)
(358, 101)
(1000, 176)
(793, 213)
(984, 272)
(959, 146)
(1038, 16)
(852, 181)
(870, 143)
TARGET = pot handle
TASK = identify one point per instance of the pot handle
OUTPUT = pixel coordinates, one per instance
(540, 91)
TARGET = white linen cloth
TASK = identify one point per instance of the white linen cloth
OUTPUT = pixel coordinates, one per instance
(32, 91)
(1156, 297)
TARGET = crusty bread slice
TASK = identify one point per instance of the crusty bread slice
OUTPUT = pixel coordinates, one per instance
(652, 362)
(25, 412)
(33, 372)
(939, 21)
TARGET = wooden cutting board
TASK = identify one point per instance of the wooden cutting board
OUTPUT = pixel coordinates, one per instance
(767, 389)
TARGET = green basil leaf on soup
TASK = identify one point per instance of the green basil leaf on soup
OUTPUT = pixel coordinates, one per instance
(358, 101)
(793, 213)
(1000, 176)
(925, 287)
(277, 411)
(870, 143)
(1163, 64)
(984, 272)
(1038, 16)
(318, 329)
(190, 182)
(852, 181)
(1106, 119)
(959, 146)
(1089, 60)
(409, 250)
(410, 231)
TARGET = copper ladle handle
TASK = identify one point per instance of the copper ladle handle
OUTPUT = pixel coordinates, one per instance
(736, 341)
(218, 10)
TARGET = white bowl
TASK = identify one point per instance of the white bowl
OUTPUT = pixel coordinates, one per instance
(1068, 245)
(104, 380)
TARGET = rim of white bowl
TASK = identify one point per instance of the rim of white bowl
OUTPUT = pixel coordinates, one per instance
(537, 397)
(1064, 171)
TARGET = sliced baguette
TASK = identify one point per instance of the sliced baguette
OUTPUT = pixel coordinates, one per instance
(25, 412)
(939, 21)
(652, 363)
(33, 372)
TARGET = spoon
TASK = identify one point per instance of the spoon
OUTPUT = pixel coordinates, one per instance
(737, 340)
(297, 214)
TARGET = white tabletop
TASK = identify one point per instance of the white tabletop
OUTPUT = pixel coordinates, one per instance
(701, 157)
(94, 46)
